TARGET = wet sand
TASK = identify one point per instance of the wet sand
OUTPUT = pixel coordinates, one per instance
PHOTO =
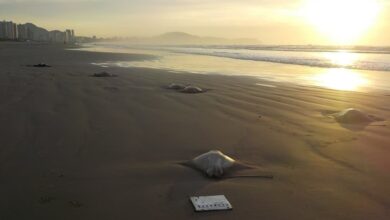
(79, 147)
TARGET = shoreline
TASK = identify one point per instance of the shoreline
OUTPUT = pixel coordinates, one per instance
(80, 147)
(344, 79)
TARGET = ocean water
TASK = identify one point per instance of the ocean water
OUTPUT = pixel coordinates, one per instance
(367, 58)
(342, 68)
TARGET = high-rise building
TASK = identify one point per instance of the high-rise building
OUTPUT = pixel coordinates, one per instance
(73, 37)
(22, 32)
(57, 36)
(15, 32)
(2, 30)
(70, 38)
(8, 30)
(67, 36)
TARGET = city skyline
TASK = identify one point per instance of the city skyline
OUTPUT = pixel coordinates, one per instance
(28, 31)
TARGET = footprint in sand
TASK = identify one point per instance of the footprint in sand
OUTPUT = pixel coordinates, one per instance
(46, 199)
(75, 204)
(103, 74)
(112, 89)
(55, 173)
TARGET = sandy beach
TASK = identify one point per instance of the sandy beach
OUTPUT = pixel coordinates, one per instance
(80, 147)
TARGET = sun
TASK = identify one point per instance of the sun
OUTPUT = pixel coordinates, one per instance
(342, 21)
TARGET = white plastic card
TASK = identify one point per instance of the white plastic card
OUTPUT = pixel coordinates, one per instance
(210, 203)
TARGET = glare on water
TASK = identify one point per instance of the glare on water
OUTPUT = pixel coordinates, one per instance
(342, 58)
(341, 79)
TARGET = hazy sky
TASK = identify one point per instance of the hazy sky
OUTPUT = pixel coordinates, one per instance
(270, 21)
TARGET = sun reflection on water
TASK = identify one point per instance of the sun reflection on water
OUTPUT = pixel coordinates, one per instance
(341, 79)
(342, 58)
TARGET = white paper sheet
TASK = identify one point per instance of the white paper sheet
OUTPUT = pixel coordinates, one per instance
(210, 203)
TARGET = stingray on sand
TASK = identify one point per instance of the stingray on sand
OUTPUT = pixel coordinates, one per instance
(192, 89)
(353, 116)
(40, 65)
(176, 86)
(186, 88)
(215, 164)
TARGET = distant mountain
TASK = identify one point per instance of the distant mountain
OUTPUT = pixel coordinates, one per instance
(181, 38)
(179, 35)
(177, 38)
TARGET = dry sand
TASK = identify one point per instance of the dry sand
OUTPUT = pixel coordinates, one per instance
(79, 147)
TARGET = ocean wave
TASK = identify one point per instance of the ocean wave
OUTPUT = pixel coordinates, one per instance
(369, 61)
